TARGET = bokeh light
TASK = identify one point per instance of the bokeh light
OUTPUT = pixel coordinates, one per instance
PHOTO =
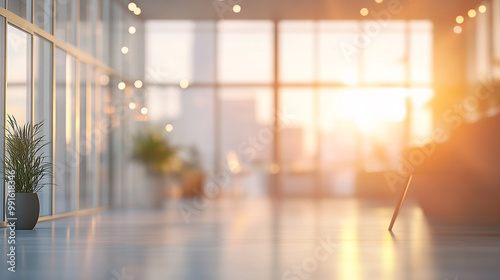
(132, 6)
(472, 13)
(184, 83)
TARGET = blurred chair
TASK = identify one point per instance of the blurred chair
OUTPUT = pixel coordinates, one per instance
(247, 180)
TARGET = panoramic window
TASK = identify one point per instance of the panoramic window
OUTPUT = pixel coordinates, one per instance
(341, 100)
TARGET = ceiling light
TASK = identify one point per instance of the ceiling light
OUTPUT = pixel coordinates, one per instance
(138, 84)
(472, 13)
(132, 6)
(184, 83)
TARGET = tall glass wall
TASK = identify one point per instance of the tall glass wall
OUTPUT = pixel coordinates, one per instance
(222, 86)
(69, 81)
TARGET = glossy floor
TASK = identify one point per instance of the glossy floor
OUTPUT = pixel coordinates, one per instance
(255, 239)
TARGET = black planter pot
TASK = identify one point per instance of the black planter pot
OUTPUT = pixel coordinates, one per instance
(27, 209)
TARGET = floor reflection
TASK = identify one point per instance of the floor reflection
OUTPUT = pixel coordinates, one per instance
(256, 239)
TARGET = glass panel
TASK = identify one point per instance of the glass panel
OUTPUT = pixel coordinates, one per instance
(421, 52)
(118, 31)
(2, 4)
(245, 51)
(106, 111)
(97, 31)
(338, 52)
(43, 14)
(246, 115)
(180, 50)
(372, 118)
(19, 78)
(106, 33)
(421, 115)
(95, 14)
(298, 140)
(297, 51)
(2, 108)
(93, 163)
(84, 42)
(194, 108)
(64, 143)
(117, 149)
(384, 55)
(66, 21)
(83, 145)
(496, 38)
(340, 141)
(21, 8)
(246, 121)
(43, 109)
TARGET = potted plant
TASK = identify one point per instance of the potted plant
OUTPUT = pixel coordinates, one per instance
(24, 168)
(160, 159)
(192, 175)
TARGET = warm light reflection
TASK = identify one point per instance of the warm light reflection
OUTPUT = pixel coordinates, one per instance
(132, 30)
(388, 258)
(138, 84)
(169, 127)
(364, 11)
(144, 110)
(233, 162)
(457, 29)
(274, 168)
(482, 9)
(348, 253)
(104, 80)
(124, 50)
(121, 86)
(472, 13)
(460, 19)
(379, 1)
(236, 9)
(137, 11)
(131, 105)
(184, 83)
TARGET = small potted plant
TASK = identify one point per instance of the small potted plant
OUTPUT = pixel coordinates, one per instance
(24, 169)
(192, 175)
(160, 159)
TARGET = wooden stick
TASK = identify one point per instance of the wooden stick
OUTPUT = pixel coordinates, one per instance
(396, 211)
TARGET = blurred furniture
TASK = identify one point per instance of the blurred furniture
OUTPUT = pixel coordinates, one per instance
(460, 179)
